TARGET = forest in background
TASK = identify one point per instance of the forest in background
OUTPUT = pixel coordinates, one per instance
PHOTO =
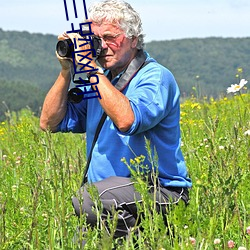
(202, 67)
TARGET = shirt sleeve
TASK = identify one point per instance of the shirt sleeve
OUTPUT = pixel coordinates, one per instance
(153, 97)
(75, 118)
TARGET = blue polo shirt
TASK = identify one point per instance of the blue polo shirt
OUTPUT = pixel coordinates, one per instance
(154, 97)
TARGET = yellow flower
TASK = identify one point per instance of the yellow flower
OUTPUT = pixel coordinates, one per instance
(132, 162)
(240, 70)
(195, 105)
(138, 160)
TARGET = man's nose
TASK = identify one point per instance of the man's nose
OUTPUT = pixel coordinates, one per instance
(104, 44)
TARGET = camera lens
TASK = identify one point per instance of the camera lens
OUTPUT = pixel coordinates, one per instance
(65, 48)
(75, 95)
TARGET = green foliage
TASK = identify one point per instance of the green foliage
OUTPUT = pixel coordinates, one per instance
(28, 68)
(40, 172)
(19, 94)
(28, 58)
(208, 62)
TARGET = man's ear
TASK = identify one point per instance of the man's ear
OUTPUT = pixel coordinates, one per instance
(134, 42)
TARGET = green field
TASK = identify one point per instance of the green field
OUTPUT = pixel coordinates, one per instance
(40, 172)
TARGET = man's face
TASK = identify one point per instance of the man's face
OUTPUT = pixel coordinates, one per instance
(118, 50)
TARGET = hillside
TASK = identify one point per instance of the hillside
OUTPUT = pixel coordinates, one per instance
(28, 66)
(28, 57)
(210, 63)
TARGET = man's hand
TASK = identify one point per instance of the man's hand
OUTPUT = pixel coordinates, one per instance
(66, 62)
(81, 58)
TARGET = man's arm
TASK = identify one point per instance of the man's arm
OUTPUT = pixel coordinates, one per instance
(55, 103)
(115, 104)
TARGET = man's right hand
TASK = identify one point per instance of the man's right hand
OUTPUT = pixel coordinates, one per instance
(82, 57)
(66, 62)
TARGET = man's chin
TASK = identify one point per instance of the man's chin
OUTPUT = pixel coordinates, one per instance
(105, 64)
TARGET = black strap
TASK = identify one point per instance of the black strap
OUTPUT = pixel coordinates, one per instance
(136, 64)
(97, 132)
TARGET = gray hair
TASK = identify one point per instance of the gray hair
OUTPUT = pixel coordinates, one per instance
(120, 13)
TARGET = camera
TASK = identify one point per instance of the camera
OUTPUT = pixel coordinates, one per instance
(65, 48)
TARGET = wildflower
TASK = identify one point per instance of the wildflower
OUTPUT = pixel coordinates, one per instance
(240, 70)
(248, 230)
(237, 87)
(247, 133)
(198, 182)
(132, 162)
(45, 216)
(14, 188)
(230, 244)
(192, 240)
(216, 241)
(137, 160)
(242, 248)
(71, 167)
(195, 106)
(221, 147)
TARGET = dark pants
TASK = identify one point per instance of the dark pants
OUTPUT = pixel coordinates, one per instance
(119, 194)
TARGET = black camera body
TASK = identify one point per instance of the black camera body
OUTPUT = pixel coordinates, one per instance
(65, 48)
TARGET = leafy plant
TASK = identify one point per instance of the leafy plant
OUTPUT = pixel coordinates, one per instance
(40, 172)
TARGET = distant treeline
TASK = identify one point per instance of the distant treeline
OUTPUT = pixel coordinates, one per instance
(203, 67)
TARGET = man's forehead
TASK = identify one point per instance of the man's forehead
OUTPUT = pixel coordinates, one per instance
(105, 27)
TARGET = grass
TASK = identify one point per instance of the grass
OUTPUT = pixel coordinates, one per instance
(40, 172)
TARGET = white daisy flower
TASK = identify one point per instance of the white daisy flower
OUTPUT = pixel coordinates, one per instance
(237, 87)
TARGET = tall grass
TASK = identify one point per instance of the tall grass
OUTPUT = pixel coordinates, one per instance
(40, 172)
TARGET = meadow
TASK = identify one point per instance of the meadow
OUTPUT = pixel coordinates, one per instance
(40, 172)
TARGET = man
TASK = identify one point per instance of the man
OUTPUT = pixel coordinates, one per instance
(141, 100)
